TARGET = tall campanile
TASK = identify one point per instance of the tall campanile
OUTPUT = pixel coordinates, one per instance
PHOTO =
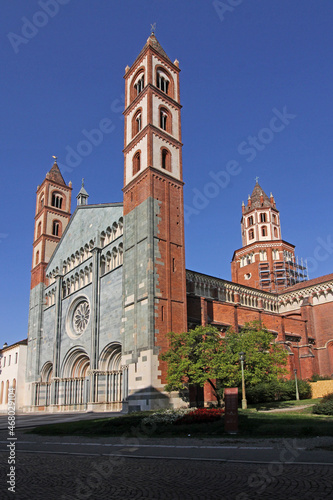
(53, 211)
(154, 258)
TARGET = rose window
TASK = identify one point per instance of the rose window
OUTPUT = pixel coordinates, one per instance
(81, 317)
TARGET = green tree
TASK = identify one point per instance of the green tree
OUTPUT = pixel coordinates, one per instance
(265, 360)
(204, 355)
(191, 358)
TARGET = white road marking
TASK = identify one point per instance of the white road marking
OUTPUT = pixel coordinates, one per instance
(198, 459)
(89, 444)
(199, 447)
(51, 442)
(256, 448)
(42, 452)
(86, 454)
(154, 445)
(21, 442)
(165, 458)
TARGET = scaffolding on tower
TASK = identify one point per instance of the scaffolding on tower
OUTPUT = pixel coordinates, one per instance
(286, 272)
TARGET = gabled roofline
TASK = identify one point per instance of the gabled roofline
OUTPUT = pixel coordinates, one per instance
(79, 207)
(307, 284)
(19, 342)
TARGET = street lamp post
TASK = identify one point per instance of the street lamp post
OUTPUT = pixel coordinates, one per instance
(244, 402)
(296, 385)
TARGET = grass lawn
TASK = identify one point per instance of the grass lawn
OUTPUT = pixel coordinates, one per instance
(284, 404)
(252, 423)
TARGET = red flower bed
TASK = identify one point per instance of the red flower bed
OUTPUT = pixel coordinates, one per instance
(201, 415)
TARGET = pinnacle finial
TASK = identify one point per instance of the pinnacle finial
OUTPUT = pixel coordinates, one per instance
(152, 29)
(256, 179)
(55, 159)
(82, 181)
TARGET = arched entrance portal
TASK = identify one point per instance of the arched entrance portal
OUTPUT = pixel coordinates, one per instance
(78, 387)
(110, 377)
(43, 388)
(74, 383)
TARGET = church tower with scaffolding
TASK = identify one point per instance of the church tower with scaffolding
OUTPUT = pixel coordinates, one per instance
(265, 261)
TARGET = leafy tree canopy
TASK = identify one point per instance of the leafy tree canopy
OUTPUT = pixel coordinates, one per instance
(204, 355)
(265, 360)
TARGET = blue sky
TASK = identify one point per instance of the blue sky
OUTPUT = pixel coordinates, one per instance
(242, 62)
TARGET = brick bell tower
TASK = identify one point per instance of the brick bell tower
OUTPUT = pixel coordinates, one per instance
(154, 259)
(265, 261)
(53, 205)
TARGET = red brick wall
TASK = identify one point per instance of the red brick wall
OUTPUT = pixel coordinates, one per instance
(38, 275)
(323, 325)
(170, 266)
(223, 313)
(296, 326)
(300, 355)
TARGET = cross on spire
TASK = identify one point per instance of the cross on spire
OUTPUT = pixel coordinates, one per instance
(152, 28)
(256, 179)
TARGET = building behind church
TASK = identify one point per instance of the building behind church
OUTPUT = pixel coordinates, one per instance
(109, 282)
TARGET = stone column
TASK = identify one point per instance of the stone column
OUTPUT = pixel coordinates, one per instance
(94, 352)
(57, 338)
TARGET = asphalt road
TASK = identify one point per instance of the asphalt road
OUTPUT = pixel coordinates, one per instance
(223, 450)
(67, 477)
(73, 467)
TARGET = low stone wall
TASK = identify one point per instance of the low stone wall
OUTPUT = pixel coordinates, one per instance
(321, 388)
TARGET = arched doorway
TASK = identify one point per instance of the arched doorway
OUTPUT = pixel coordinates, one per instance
(43, 389)
(74, 381)
(110, 379)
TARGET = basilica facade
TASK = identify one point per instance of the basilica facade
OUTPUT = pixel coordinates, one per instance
(109, 282)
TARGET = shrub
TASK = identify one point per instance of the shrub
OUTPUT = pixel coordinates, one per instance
(325, 406)
(304, 389)
(278, 390)
(201, 415)
(264, 392)
(166, 416)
